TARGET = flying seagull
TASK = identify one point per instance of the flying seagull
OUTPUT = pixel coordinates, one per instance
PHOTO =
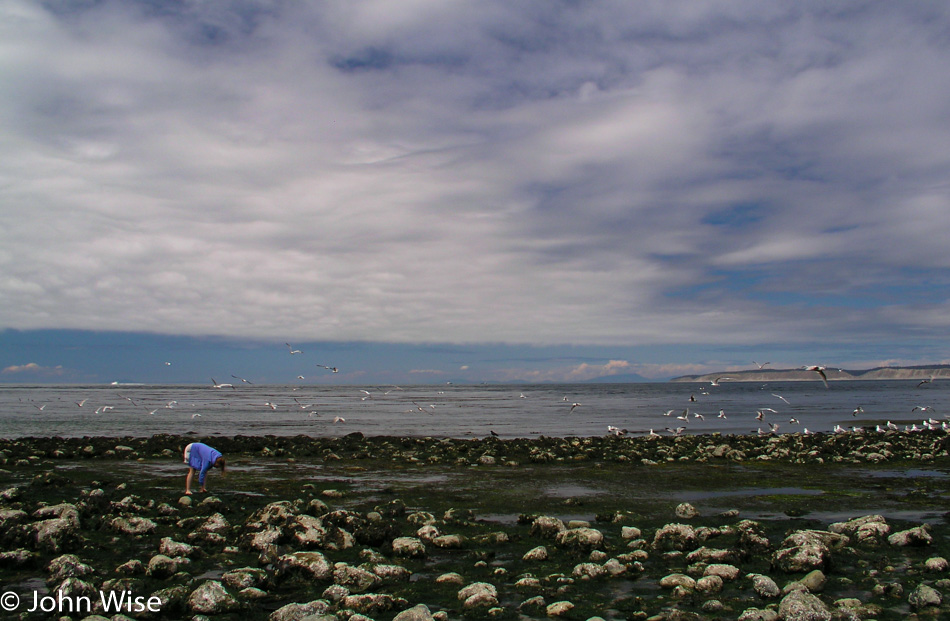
(760, 365)
(820, 370)
(215, 384)
(292, 350)
(332, 369)
(926, 381)
(241, 378)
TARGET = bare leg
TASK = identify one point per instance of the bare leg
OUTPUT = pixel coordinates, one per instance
(188, 477)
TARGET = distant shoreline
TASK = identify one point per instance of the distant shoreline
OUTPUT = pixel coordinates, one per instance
(833, 374)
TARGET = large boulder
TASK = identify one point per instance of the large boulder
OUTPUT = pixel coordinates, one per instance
(805, 550)
(58, 527)
(478, 595)
(580, 538)
(211, 598)
(803, 606)
(924, 596)
(373, 603)
(307, 565)
(420, 612)
(244, 578)
(297, 612)
(917, 536)
(356, 579)
(274, 514)
(868, 529)
(546, 526)
(410, 547)
(675, 537)
(133, 526)
(66, 566)
(170, 547)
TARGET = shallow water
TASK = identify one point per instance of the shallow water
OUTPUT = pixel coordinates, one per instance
(457, 411)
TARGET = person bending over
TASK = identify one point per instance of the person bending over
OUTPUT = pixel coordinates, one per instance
(202, 458)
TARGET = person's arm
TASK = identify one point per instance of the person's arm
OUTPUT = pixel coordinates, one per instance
(202, 475)
(188, 478)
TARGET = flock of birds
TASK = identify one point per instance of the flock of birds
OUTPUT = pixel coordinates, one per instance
(928, 424)
(767, 418)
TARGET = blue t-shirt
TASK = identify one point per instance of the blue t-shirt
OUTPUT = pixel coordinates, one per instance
(202, 458)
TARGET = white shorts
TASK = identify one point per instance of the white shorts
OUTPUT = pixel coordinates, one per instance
(187, 454)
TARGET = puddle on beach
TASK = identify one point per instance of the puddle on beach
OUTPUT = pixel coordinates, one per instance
(758, 491)
(904, 474)
(567, 490)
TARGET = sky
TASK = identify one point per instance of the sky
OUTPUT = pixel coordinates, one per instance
(471, 191)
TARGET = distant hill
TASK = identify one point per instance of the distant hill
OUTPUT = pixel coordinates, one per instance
(800, 375)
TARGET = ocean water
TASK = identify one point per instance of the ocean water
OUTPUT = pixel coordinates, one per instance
(460, 411)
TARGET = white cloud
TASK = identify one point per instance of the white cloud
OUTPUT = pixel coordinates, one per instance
(33, 369)
(447, 172)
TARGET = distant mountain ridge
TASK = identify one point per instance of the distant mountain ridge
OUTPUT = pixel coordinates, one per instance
(833, 374)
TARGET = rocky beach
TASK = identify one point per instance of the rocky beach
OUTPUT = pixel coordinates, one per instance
(790, 527)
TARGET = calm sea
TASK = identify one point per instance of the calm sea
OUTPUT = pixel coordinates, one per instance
(459, 411)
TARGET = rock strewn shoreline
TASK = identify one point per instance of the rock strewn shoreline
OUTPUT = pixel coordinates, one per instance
(317, 552)
(792, 447)
(308, 557)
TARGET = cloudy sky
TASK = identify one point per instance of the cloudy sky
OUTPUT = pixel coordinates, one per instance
(474, 190)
